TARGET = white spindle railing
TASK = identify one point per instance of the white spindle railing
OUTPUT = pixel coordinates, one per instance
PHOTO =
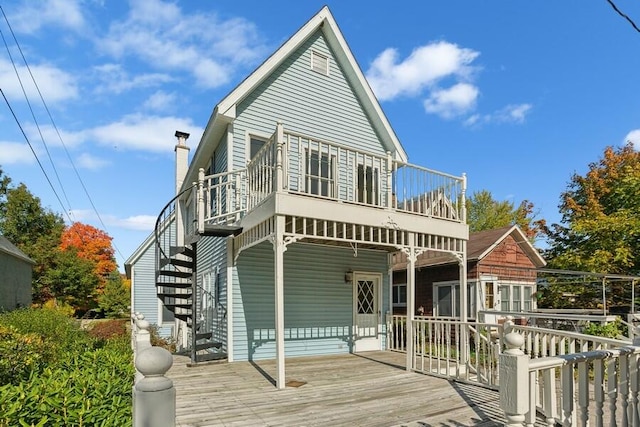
(600, 387)
(297, 163)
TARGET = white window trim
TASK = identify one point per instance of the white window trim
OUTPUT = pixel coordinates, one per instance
(399, 304)
(473, 304)
(521, 284)
(247, 141)
(321, 55)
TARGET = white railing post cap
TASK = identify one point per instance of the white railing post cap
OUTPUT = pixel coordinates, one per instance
(153, 363)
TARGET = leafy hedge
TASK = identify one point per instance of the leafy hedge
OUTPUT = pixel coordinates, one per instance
(71, 379)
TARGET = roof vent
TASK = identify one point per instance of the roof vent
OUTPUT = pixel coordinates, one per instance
(319, 63)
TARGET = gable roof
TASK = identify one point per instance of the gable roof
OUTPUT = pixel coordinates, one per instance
(9, 248)
(225, 112)
(479, 245)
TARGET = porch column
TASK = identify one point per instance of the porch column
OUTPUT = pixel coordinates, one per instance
(464, 298)
(279, 248)
(411, 299)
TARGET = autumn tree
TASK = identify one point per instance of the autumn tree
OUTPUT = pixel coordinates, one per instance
(600, 226)
(31, 227)
(486, 213)
(93, 245)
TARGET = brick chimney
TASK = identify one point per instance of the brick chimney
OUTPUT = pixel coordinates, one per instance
(182, 158)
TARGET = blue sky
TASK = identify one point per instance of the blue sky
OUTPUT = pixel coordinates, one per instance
(517, 95)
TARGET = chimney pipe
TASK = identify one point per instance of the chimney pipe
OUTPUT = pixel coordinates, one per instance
(182, 158)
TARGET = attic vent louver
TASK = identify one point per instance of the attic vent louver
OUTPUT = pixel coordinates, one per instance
(319, 63)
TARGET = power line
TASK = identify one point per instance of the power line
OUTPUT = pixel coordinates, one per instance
(35, 120)
(633, 24)
(93, 206)
(34, 152)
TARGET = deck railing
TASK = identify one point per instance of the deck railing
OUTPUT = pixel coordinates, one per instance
(599, 387)
(296, 163)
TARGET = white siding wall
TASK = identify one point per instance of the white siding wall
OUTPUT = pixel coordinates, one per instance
(318, 303)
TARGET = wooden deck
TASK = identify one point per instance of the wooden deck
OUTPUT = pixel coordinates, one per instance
(368, 389)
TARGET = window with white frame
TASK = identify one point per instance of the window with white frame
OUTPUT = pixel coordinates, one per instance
(400, 295)
(319, 173)
(255, 144)
(516, 296)
(446, 299)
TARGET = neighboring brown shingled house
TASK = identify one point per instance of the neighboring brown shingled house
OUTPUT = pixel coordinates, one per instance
(15, 276)
(500, 276)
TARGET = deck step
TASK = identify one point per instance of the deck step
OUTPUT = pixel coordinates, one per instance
(174, 273)
(206, 357)
(208, 345)
(181, 285)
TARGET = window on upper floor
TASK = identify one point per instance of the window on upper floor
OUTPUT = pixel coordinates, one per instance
(319, 174)
(255, 144)
(320, 63)
(368, 184)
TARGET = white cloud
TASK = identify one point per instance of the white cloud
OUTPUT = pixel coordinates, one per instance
(52, 137)
(15, 153)
(454, 101)
(160, 101)
(60, 13)
(512, 113)
(137, 222)
(114, 79)
(55, 84)
(89, 161)
(166, 38)
(426, 66)
(139, 132)
(634, 138)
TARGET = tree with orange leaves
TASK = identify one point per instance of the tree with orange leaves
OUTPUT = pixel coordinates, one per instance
(91, 244)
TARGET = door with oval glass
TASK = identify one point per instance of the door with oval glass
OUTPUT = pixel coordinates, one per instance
(366, 308)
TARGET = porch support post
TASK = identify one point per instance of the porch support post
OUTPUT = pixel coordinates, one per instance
(411, 299)
(200, 201)
(279, 248)
(279, 184)
(464, 298)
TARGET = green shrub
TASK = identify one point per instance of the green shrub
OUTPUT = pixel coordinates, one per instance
(54, 373)
(608, 330)
(107, 329)
(92, 389)
(20, 354)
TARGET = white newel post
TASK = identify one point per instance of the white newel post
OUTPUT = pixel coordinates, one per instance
(200, 205)
(155, 396)
(279, 184)
(142, 339)
(514, 376)
(389, 183)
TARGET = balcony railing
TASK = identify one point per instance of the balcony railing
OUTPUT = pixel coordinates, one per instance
(296, 163)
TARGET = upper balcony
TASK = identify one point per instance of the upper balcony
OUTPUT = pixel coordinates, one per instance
(298, 165)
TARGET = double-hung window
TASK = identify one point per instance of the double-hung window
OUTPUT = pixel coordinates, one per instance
(319, 173)
(400, 295)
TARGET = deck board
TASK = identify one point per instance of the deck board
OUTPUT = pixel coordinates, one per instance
(370, 389)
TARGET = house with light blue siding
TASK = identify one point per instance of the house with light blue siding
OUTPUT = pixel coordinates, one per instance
(16, 269)
(286, 218)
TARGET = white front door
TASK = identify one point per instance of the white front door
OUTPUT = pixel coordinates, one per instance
(366, 299)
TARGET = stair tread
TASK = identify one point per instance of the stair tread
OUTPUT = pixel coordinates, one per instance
(204, 335)
(205, 357)
(180, 285)
(207, 345)
(185, 250)
(175, 273)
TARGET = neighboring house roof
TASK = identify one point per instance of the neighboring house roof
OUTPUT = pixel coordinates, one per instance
(135, 256)
(479, 245)
(225, 112)
(9, 248)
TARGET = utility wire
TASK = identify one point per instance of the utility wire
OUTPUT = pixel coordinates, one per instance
(633, 24)
(35, 120)
(93, 206)
(34, 153)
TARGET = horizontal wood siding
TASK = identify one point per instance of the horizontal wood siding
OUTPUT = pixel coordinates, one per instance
(318, 303)
(307, 102)
(212, 259)
(145, 298)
